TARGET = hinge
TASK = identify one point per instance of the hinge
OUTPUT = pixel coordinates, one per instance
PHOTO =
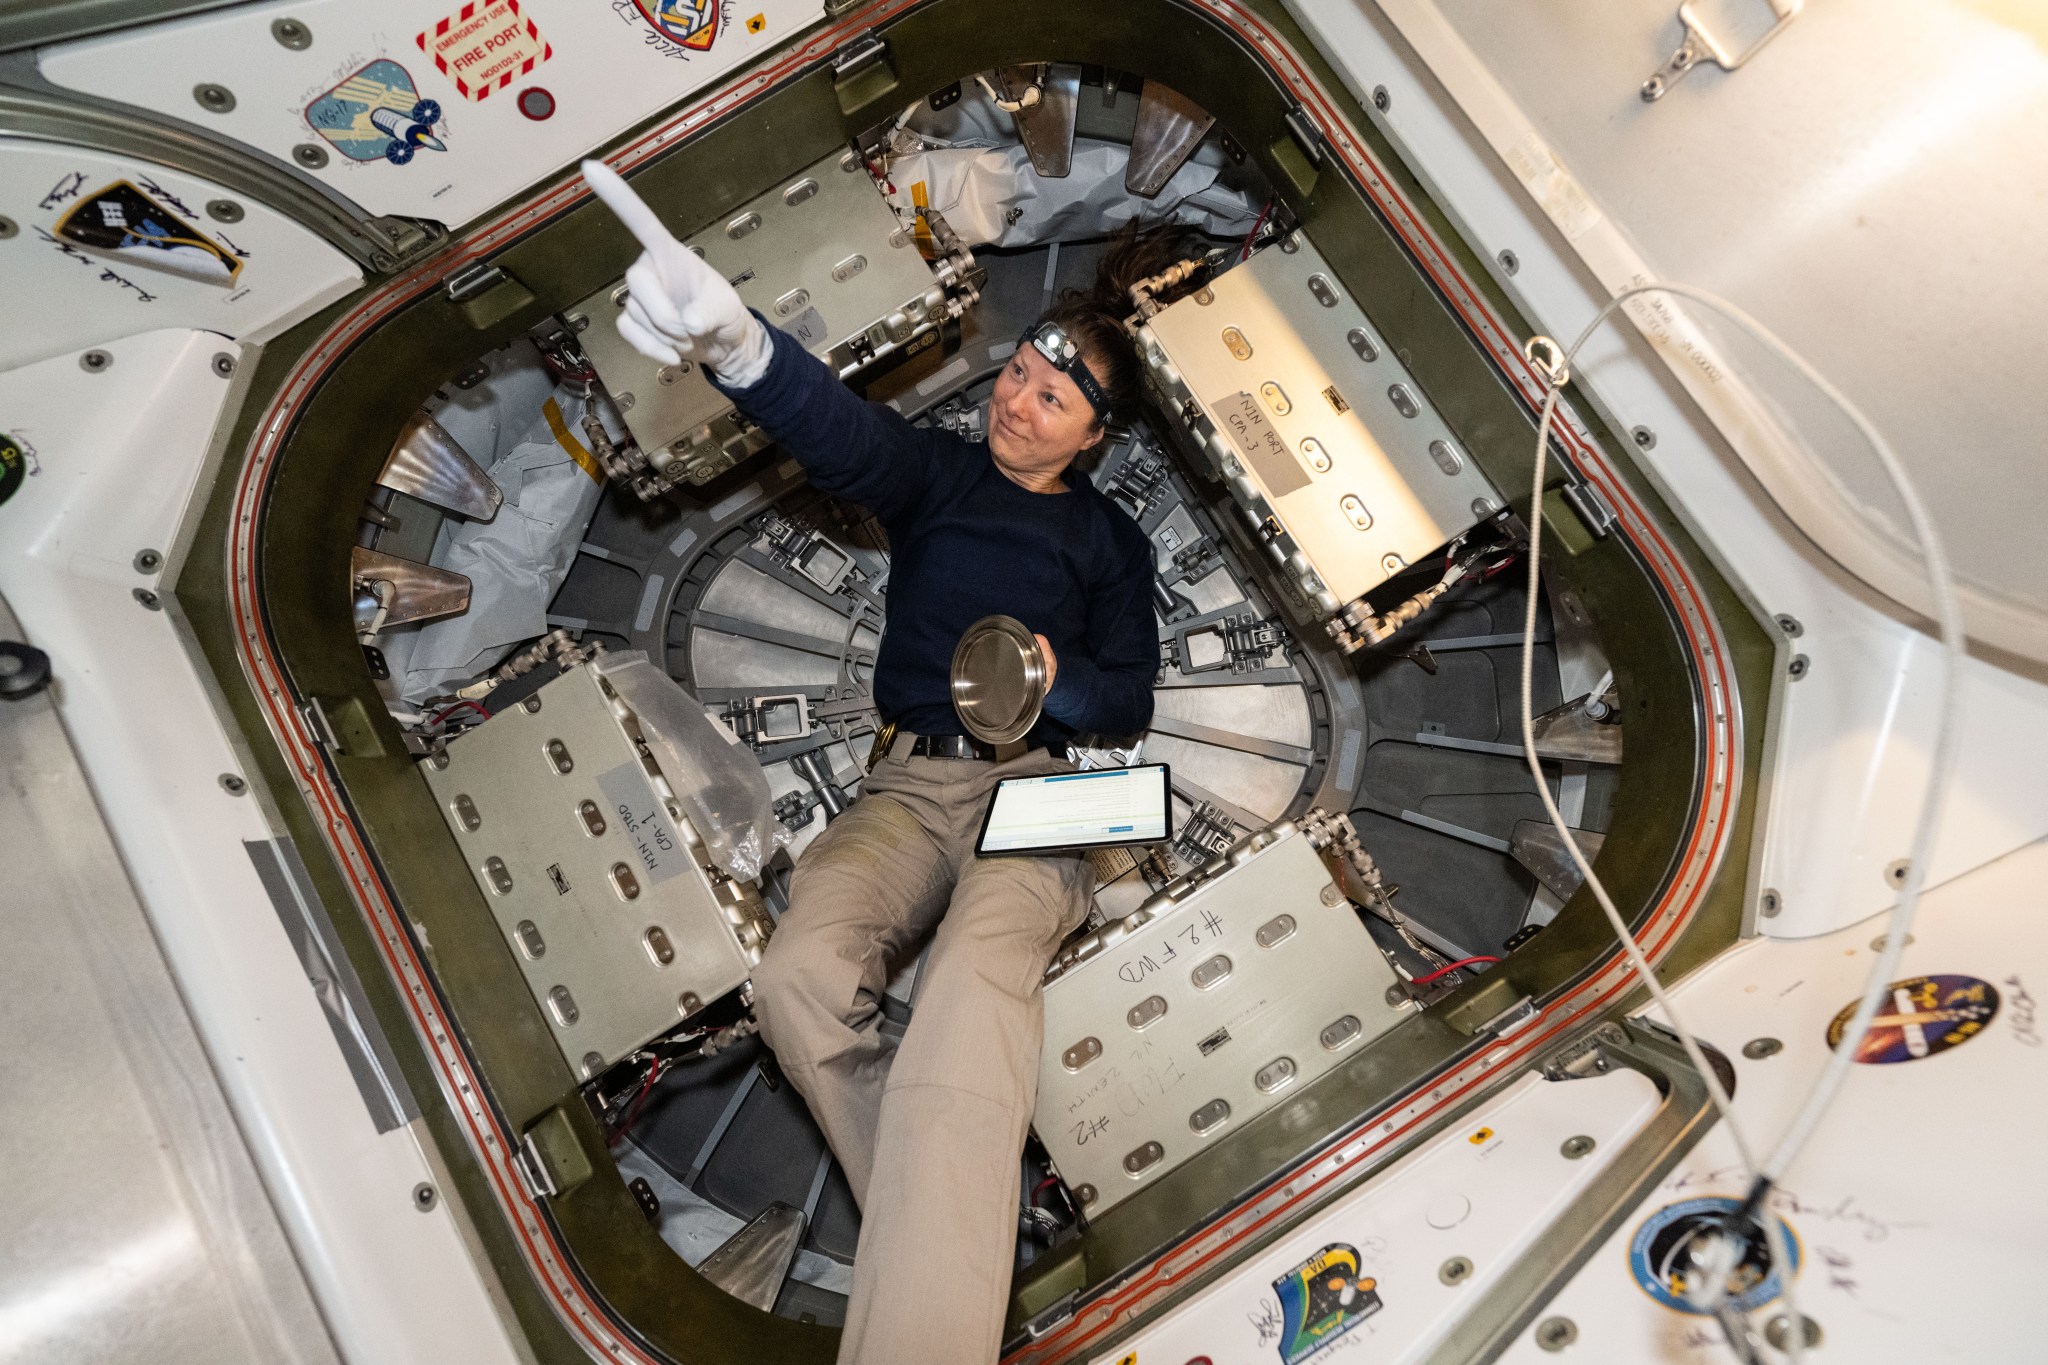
(401, 239)
(318, 727)
(471, 281)
(1306, 134)
(1592, 509)
(1586, 1058)
(858, 55)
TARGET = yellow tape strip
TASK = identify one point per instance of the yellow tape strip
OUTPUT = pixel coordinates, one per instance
(567, 441)
(920, 197)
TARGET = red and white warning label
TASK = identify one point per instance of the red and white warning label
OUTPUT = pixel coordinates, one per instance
(485, 46)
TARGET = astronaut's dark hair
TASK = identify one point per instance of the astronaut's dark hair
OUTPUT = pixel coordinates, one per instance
(1094, 317)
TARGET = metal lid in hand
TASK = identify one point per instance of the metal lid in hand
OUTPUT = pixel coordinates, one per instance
(998, 680)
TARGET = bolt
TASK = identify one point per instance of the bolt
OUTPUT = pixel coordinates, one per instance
(233, 785)
(224, 211)
(1397, 995)
(1896, 874)
(532, 705)
(1778, 1331)
(95, 362)
(1790, 625)
(1457, 1270)
(441, 760)
(1331, 895)
(1572, 1148)
(623, 402)
(214, 99)
(291, 33)
(149, 599)
(1797, 668)
(224, 365)
(1770, 903)
(1644, 437)
(311, 155)
(1484, 508)
(593, 1064)
(1756, 1049)
(1554, 1334)
(1509, 261)
(148, 561)
(1380, 98)
(1084, 1194)
(424, 1197)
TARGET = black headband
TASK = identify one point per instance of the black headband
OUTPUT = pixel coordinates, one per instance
(1050, 340)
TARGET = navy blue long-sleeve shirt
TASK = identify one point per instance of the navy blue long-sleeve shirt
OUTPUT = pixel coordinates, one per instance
(966, 542)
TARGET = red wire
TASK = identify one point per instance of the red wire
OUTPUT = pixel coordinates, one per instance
(653, 1070)
(1446, 971)
(1252, 236)
(447, 711)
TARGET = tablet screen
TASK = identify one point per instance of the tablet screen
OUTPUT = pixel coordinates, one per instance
(1100, 809)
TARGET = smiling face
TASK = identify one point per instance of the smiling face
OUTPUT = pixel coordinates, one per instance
(1038, 422)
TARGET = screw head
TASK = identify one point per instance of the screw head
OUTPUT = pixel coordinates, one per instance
(148, 561)
(1456, 1270)
(24, 670)
(214, 99)
(233, 785)
(95, 362)
(1509, 261)
(1770, 903)
(1397, 995)
(1554, 1334)
(1798, 667)
(1572, 1148)
(224, 365)
(1380, 98)
(1331, 895)
(1895, 873)
(1084, 1195)
(224, 211)
(291, 33)
(441, 760)
(1790, 625)
(424, 1197)
(8, 227)
(1778, 1331)
(1756, 1049)
(149, 599)
(1643, 437)
(310, 155)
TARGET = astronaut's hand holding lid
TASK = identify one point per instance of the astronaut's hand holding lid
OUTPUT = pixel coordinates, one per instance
(677, 307)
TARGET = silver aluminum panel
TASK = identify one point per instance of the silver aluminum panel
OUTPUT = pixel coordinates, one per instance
(618, 922)
(1219, 998)
(822, 256)
(1343, 452)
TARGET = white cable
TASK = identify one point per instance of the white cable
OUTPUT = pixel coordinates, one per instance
(1028, 100)
(1948, 617)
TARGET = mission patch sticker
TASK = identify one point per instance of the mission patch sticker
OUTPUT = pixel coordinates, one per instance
(13, 468)
(1321, 1299)
(1921, 1016)
(122, 221)
(687, 23)
(1660, 1255)
(377, 115)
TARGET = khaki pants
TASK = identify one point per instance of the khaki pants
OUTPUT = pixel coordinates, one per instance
(929, 1132)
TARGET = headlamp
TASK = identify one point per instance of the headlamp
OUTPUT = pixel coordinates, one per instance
(1050, 340)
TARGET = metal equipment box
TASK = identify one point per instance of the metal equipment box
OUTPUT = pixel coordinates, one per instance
(824, 258)
(1280, 385)
(1219, 997)
(612, 907)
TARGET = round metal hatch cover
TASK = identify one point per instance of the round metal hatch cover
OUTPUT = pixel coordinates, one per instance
(998, 680)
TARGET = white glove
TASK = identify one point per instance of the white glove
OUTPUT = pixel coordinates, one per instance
(677, 307)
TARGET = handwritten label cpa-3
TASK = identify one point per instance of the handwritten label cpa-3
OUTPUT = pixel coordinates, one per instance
(1249, 430)
(662, 852)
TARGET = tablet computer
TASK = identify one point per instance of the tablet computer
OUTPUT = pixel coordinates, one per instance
(1101, 808)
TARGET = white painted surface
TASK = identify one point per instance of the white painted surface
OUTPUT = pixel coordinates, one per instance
(116, 456)
(1919, 1203)
(1857, 729)
(609, 70)
(61, 296)
(1484, 1190)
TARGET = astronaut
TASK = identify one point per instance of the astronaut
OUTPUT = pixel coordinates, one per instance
(929, 1132)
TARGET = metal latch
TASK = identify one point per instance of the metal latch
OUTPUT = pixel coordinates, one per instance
(1513, 1019)
(1592, 509)
(857, 56)
(1586, 1058)
(1306, 133)
(472, 281)
(533, 1172)
(1051, 1316)
(1699, 42)
(318, 726)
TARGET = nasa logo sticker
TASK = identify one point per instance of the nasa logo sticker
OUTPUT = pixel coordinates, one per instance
(13, 468)
(1321, 1299)
(377, 114)
(1659, 1255)
(1921, 1016)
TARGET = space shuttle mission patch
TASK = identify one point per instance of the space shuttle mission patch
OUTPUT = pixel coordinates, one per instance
(120, 220)
(1921, 1016)
(1321, 1299)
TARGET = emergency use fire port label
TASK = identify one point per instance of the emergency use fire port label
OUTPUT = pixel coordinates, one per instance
(485, 46)
(659, 851)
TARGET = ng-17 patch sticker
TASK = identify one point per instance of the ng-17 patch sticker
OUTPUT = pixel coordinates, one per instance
(1660, 1255)
(1921, 1016)
(377, 114)
(120, 220)
(1321, 1299)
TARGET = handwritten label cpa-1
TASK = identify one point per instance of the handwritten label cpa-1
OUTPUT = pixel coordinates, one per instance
(628, 799)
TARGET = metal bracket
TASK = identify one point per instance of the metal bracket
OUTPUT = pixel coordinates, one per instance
(1592, 509)
(1590, 1056)
(472, 281)
(1057, 1312)
(1511, 1020)
(533, 1172)
(318, 726)
(1699, 42)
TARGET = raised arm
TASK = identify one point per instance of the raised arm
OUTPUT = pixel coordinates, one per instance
(1106, 689)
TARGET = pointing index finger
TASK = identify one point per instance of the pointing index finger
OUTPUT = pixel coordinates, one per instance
(630, 208)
